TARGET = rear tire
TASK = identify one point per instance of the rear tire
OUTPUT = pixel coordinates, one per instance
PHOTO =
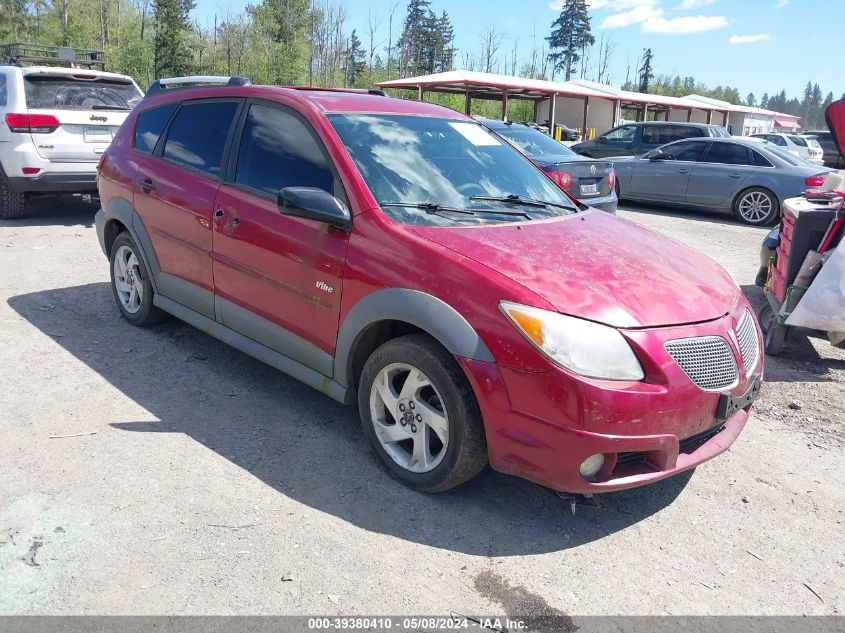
(12, 203)
(130, 282)
(420, 414)
(756, 206)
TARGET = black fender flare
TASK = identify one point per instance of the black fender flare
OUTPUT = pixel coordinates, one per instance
(121, 209)
(425, 311)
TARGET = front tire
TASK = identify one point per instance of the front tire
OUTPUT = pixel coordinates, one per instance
(12, 203)
(774, 334)
(130, 281)
(756, 207)
(420, 415)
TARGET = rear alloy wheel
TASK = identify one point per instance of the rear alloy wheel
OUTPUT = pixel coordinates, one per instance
(12, 203)
(133, 291)
(420, 414)
(757, 207)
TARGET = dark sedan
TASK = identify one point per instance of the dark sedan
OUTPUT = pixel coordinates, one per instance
(593, 182)
(748, 178)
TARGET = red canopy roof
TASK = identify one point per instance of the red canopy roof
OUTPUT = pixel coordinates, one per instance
(790, 125)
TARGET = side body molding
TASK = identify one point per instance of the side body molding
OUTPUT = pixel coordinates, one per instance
(423, 310)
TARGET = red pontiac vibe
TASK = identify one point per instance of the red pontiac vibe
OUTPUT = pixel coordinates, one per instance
(397, 255)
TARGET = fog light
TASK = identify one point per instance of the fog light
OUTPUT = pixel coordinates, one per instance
(591, 465)
(31, 171)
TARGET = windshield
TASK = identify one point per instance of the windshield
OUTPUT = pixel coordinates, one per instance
(533, 142)
(720, 132)
(67, 93)
(443, 164)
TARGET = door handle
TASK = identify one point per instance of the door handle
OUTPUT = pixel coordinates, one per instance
(735, 175)
(147, 185)
(683, 170)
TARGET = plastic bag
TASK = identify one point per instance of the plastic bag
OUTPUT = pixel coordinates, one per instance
(823, 305)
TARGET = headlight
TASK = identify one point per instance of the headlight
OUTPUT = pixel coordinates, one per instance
(587, 348)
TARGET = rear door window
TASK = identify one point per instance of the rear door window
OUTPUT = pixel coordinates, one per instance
(198, 133)
(728, 154)
(66, 93)
(150, 125)
(682, 131)
(278, 150)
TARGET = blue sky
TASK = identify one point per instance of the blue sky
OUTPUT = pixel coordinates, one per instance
(755, 45)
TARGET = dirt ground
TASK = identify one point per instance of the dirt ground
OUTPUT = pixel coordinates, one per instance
(160, 472)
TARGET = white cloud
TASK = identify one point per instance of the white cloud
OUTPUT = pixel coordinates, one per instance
(636, 15)
(749, 39)
(684, 25)
(780, 4)
(686, 5)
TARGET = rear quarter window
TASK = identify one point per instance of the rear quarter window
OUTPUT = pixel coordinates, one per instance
(2, 89)
(66, 93)
(150, 125)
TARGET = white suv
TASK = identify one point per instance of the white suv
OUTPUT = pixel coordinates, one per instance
(55, 123)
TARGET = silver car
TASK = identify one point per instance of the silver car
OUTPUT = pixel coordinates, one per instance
(748, 178)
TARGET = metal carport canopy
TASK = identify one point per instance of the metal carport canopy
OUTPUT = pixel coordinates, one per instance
(478, 85)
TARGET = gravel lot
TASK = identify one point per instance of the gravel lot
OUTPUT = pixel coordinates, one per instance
(159, 471)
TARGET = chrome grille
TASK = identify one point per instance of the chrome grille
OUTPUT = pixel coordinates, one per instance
(749, 347)
(707, 360)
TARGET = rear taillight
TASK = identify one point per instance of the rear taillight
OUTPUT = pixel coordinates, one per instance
(32, 123)
(561, 179)
(611, 178)
(814, 181)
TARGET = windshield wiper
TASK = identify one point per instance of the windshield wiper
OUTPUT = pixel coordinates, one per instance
(100, 106)
(515, 199)
(428, 207)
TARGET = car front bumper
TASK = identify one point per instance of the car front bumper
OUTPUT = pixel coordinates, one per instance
(541, 426)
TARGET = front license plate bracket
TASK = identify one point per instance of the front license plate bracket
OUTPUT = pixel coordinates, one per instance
(729, 405)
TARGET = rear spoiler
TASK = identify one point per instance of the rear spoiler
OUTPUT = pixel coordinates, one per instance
(194, 81)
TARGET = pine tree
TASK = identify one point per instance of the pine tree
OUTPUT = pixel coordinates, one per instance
(751, 100)
(412, 41)
(172, 57)
(570, 35)
(764, 101)
(445, 57)
(646, 71)
(354, 60)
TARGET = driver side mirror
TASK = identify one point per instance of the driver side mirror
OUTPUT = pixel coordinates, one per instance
(315, 204)
(658, 155)
(602, 139)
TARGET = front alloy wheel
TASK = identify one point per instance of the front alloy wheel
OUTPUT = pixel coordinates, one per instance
(409, 419)
(420, 414)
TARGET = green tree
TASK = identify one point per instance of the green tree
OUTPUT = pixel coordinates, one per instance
(570, 35)
(646, 71)
(172, 28)
(413, 41)
(751, 100)
(354, 60)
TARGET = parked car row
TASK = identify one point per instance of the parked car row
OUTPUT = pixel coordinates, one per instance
(831, 155)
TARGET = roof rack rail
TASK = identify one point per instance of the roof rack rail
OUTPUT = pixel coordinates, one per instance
(18, 54)
(361, 91)
(194, 81)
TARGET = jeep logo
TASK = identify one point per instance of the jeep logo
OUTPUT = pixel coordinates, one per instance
(94, 117)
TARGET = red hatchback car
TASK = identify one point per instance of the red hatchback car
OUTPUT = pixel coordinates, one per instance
(398, 255)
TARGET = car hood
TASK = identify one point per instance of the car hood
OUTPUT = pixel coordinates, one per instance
(599, 267)
(835, 115)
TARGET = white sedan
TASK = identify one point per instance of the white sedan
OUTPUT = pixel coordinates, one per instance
(795, 145)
